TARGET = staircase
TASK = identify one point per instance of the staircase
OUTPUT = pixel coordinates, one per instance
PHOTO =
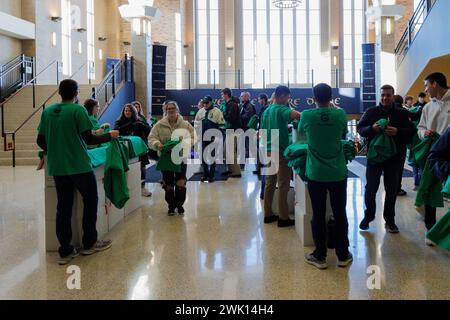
(18, 110)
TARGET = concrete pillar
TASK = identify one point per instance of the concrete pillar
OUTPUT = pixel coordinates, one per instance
(141, 48)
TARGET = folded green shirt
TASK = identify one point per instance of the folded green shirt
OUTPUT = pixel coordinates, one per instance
(116, 187)
(430, 190)
(136, 147)
(382, 147)
(165, 160)
(446, 190)
(422, 150)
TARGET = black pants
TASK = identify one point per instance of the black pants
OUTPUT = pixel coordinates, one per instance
(430, 217)
(392, 170)
(209, 170)
(402, 169)
(338, 196)
(86, 184)
(175, 195)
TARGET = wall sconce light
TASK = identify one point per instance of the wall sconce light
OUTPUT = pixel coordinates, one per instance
(81, 30)
(102, 39)
(335, 61)
(230, 48)
(229, 61)
(100, 54)
(185, 60)
(54, 39)
(56, 19)
(388, 26)
(126, 43)
(80, 47)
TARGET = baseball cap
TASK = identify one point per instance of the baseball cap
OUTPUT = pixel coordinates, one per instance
(207, 99)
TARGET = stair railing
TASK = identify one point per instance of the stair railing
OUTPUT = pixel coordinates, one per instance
(15, 74)
(9, 138)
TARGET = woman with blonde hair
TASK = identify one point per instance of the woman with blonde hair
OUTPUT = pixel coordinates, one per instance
(171, 126)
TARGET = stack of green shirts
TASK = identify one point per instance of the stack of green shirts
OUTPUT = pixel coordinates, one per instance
(382, 147)
(165, 162)
(136, 147)
(297, 154)
(98, 156)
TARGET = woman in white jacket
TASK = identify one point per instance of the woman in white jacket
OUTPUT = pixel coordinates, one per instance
(173, 126)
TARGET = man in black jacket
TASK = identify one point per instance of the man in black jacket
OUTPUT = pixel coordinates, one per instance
(402, 130)
(248, 110)
(233, 119)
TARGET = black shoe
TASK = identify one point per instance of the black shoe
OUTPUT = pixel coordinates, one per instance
(365, 224)
(235, 176)
(271, 219)
(319, 264)
(226, 173)
(171, 212)
(204, 179)
(181, 211)
(402, 193)
(211, 180)
(346, 262)
(257, 172)
(392, 228)
(286, 223)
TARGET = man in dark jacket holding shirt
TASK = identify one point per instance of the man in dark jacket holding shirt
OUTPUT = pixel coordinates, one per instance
(402, 130)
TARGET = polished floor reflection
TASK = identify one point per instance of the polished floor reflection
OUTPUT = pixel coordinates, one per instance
(219, 250)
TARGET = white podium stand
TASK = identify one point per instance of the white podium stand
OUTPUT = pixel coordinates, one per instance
(304, 212)
(107, 217)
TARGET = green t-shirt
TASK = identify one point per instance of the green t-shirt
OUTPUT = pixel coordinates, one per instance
(277, 117)
(62, 125)
(95, 124)
(324, 129)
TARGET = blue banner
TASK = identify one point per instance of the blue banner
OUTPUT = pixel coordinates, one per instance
(369, 95)
(348, 99)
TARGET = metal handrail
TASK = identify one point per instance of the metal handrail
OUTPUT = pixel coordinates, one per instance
(42, 106)
(425, 6)
(32, 81)
(12, 62)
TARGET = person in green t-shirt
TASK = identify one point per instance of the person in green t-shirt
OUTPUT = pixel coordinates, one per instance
(277, 118)
(326, 171)
(64, 131)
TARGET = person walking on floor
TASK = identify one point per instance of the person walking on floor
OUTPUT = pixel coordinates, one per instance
(277, 117)
(402, 130)
(435, 120)
(64, 131)
(209, 117)
(326, 171)
(174, 183)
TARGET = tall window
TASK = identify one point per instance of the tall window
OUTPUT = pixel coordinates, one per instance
(207, 44)
(178, 49)
(354, 26)
(91, 39)
(281, 45)
(66, 34)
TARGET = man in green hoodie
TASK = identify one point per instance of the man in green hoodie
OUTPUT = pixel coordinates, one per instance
(64, 131)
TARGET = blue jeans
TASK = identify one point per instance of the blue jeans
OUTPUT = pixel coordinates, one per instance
(417, 172)
(86, 184)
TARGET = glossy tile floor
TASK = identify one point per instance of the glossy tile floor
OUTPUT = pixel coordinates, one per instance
(220, 250)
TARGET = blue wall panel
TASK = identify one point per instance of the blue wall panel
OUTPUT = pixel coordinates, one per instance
(124, 96)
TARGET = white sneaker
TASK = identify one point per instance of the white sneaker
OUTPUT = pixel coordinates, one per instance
(100, 246)
(429, 243)
(145, 193)
(66, 260)
(421, 211)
